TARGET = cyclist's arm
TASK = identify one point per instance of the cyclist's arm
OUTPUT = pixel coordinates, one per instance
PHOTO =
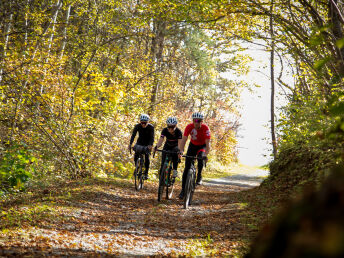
(207, 146)
(151, 140)
(181, 143)
(161, 139)
(133, 135)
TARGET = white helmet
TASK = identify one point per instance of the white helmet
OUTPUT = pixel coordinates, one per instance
(171, 121)
(197, 115)
(144, 117)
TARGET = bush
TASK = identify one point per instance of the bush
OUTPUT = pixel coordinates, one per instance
(299, 165)
(15, 167)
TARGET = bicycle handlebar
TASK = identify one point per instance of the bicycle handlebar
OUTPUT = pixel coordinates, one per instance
(185, 156)
(168, 152)
(195, 157)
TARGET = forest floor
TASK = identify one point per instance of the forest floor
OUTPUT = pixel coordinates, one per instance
(106, 217)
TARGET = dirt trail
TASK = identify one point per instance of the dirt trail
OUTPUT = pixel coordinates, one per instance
(244, 180)
(111, 218)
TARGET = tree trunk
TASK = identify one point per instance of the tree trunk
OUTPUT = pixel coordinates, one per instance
(156, 53)
(7, 35)
(336, 20)
(272, 70)
(65, 32)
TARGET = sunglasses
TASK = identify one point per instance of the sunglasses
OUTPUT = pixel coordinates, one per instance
(143, 123)
(171, 126)
(198, 120)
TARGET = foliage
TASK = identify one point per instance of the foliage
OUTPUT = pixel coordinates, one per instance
(74, 77)
(16, 167)
(28, 215)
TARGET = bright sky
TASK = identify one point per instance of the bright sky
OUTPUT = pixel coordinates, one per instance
(254, 134)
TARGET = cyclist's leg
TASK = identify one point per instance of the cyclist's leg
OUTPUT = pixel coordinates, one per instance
(175, 164)
(136, 156)
(175, 160)
(200, 154)
(147, 162)
(175, 157)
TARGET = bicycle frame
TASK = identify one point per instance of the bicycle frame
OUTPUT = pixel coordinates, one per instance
(165, 177)
(138, 175)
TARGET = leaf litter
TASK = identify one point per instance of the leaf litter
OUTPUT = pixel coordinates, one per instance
(108, 217)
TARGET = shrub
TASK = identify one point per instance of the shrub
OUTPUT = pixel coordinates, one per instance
(16, 167)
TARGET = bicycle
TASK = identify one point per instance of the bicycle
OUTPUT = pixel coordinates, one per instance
(166, 178)
(138, 175)
(190, 182)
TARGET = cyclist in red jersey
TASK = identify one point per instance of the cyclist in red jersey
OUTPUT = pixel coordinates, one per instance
(199, 145)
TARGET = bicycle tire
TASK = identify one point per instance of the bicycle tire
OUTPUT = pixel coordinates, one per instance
(137, 174)
(170, 186)
(161, 182)
(188, 188)
(141, 176)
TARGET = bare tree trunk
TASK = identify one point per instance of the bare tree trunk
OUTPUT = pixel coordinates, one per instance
(7, 35)
(337, 21)
(65, 32)
(156, 53)
(272, 70)
(53, 22)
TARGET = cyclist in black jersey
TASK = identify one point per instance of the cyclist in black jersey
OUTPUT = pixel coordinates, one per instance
(173, 136)
(146, 138)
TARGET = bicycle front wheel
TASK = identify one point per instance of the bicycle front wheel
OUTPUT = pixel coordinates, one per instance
(189, 184)
(138, 175)
(170, 185)
(161, 183)
(141, 177)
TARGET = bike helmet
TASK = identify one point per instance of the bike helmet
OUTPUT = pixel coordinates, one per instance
(197, 115)
(171, 121)
(144, 117)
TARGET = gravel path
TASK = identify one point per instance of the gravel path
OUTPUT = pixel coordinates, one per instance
(249, 180)
(112, 219)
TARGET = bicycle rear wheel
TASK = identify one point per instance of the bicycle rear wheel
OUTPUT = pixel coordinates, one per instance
(170, 186)
(161, 182)
(189, 184)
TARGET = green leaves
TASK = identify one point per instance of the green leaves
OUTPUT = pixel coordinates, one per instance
(340, 43)
(337, 109)
(15, 168)
(319, 64)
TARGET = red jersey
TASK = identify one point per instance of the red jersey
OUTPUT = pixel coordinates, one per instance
(199, 136)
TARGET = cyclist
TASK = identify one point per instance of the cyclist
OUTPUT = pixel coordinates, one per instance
(173, 137)
(146, 138)
(199, 145)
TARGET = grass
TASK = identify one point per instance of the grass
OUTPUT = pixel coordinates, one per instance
(18, 217)
(217, 170)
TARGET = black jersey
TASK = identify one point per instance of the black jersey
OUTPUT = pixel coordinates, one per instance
(171, 139)
(146, 135)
